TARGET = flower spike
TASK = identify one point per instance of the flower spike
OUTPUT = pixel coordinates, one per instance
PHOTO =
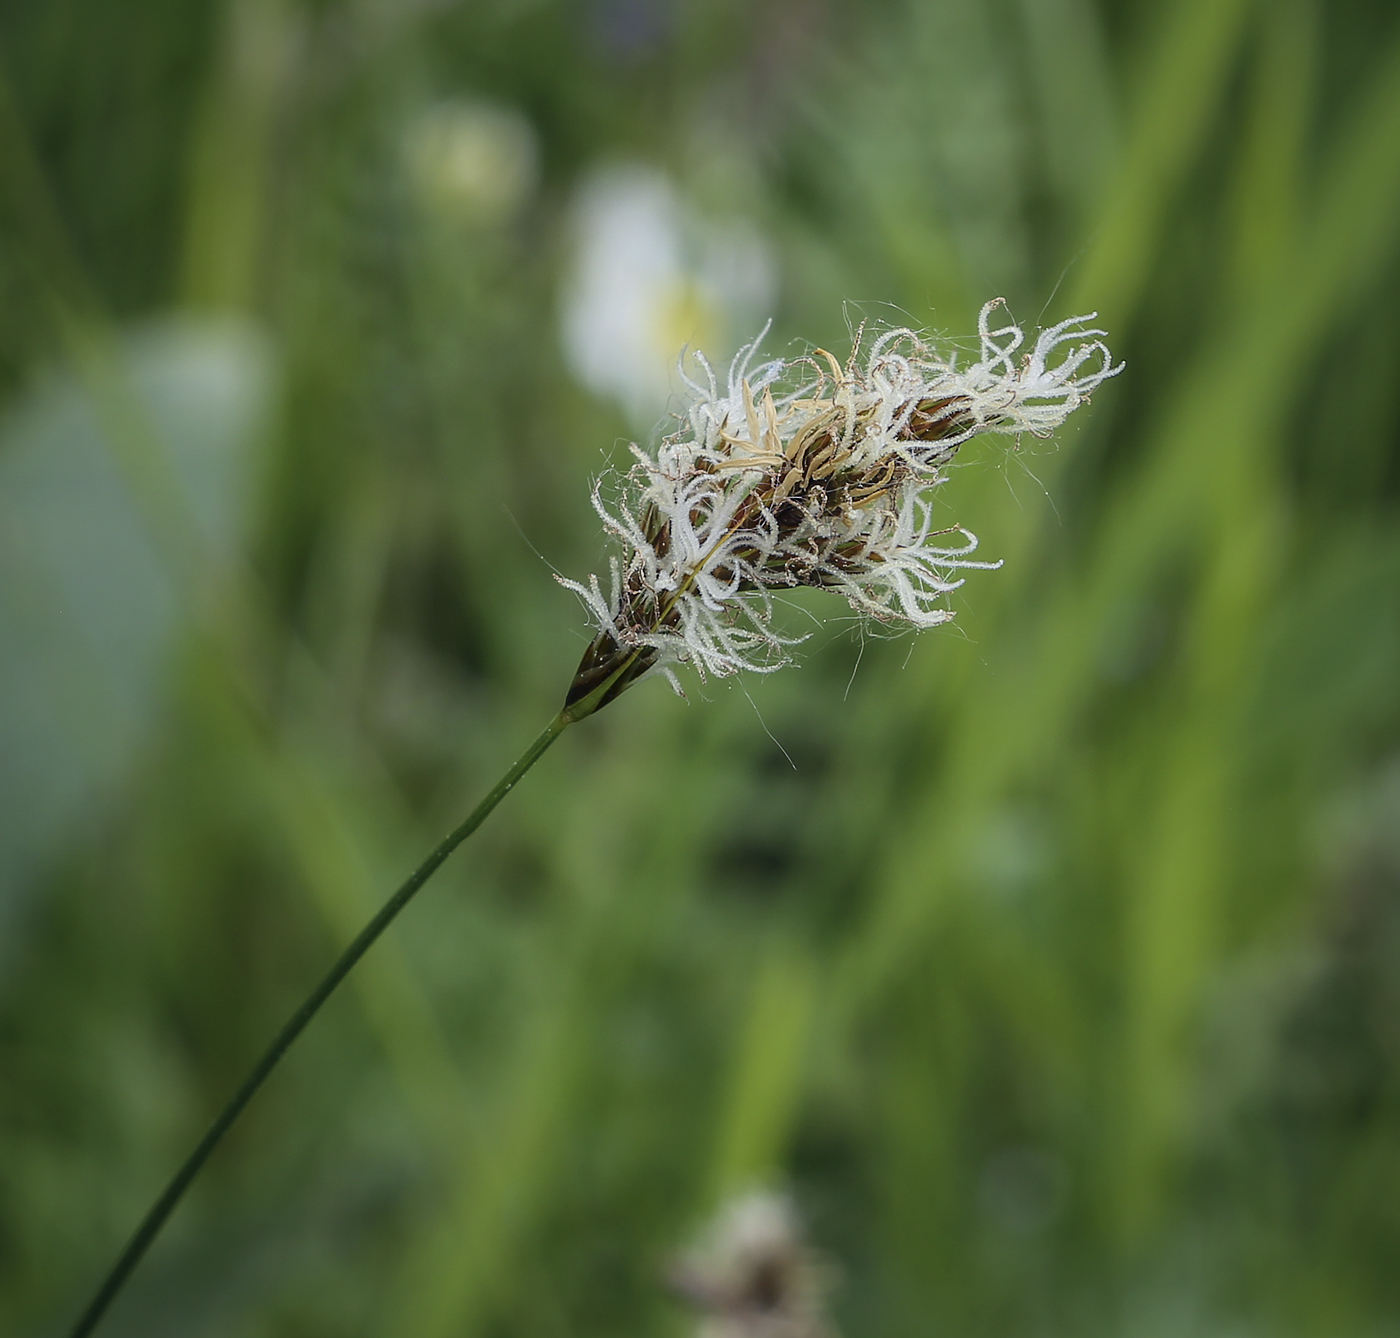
(811, 473)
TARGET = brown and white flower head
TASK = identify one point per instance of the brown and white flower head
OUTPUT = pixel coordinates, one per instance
(753, 1275)
(812, 473)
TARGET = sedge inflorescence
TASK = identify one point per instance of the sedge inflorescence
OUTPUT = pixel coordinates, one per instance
(810, 472)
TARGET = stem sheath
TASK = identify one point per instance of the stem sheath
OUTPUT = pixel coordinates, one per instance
(161, 1209)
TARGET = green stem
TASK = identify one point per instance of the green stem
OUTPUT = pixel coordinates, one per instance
(161, 1209)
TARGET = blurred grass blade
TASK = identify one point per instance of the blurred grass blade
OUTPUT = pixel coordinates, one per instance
(89, 614)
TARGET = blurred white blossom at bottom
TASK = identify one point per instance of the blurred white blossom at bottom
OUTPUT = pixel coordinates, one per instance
(752, 1274)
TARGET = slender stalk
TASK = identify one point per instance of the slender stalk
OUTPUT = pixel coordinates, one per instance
(161, 1209)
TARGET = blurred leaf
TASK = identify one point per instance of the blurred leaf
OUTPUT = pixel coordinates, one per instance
(89, 612)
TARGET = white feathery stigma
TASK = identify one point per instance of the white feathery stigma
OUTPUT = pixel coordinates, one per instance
(808, 472)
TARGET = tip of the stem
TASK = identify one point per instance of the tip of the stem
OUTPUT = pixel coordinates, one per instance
(606, 671)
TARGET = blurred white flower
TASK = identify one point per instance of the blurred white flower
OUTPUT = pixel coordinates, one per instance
(476, 162)
(824, 483)
(752, 1275)
(649, 275)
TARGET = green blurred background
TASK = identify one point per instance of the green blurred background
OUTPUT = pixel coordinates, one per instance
(1052, 960)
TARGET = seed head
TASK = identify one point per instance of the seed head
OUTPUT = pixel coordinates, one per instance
(811, 473)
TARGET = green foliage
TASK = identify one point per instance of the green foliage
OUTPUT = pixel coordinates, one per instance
(1050, 960)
